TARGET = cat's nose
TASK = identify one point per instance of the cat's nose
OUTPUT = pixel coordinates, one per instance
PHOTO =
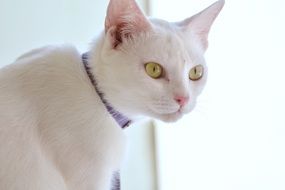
(181, 100)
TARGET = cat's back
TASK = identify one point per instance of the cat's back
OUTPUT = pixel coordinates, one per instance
(43, 80)
(37, 86)
(39, 70)
(42, 61)
(35, 76)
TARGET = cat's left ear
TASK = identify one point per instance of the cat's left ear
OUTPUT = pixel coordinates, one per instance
(200, 24)
(124, 19)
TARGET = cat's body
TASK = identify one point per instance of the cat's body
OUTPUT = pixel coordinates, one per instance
(49, 122)
(55, 131)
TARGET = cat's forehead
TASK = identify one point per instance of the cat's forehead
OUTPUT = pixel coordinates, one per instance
(168, 44)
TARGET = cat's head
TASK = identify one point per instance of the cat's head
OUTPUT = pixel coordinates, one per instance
(152, 67)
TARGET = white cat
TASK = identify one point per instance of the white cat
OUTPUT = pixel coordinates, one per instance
(56, 132)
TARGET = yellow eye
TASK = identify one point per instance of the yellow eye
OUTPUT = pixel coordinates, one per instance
(196, 73)
(154, 70)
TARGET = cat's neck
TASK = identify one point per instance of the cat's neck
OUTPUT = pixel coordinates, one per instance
(121, 119)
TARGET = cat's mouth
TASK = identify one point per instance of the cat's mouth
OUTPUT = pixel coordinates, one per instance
(172, 115)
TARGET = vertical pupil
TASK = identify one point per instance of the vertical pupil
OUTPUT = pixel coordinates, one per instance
(153, 69)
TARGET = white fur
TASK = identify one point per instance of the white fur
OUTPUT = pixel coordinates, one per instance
(55, 132)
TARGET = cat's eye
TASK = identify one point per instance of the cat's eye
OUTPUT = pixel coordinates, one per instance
(196, 73)
(154, 70)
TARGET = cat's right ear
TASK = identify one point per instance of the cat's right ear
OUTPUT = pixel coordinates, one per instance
(124, 19)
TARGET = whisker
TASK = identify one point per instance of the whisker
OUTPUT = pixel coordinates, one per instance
(201, 108)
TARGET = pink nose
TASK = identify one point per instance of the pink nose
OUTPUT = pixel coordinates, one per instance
(181, 100)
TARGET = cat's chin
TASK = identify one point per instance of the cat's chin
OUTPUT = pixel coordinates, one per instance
(169, 118)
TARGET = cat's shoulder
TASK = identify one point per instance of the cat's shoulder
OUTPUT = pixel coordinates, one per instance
(45, 60)
(48, 52)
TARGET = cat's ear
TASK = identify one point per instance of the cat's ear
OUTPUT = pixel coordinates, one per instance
(124, 19)
(200, 24)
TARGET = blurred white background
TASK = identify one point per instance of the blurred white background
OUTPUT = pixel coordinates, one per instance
(235, 139)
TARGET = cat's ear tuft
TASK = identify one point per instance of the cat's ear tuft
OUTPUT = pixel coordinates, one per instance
(124, 19)
(201, 23)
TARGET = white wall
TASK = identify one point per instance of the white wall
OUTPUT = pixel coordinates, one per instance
(235, 139)
(31, 24)
(139, 172)
(34, 23)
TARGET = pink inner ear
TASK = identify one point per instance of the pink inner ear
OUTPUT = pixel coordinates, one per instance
(127, 19)
(201, 23)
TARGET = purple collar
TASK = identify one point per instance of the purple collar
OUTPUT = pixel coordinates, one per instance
(122, 120)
